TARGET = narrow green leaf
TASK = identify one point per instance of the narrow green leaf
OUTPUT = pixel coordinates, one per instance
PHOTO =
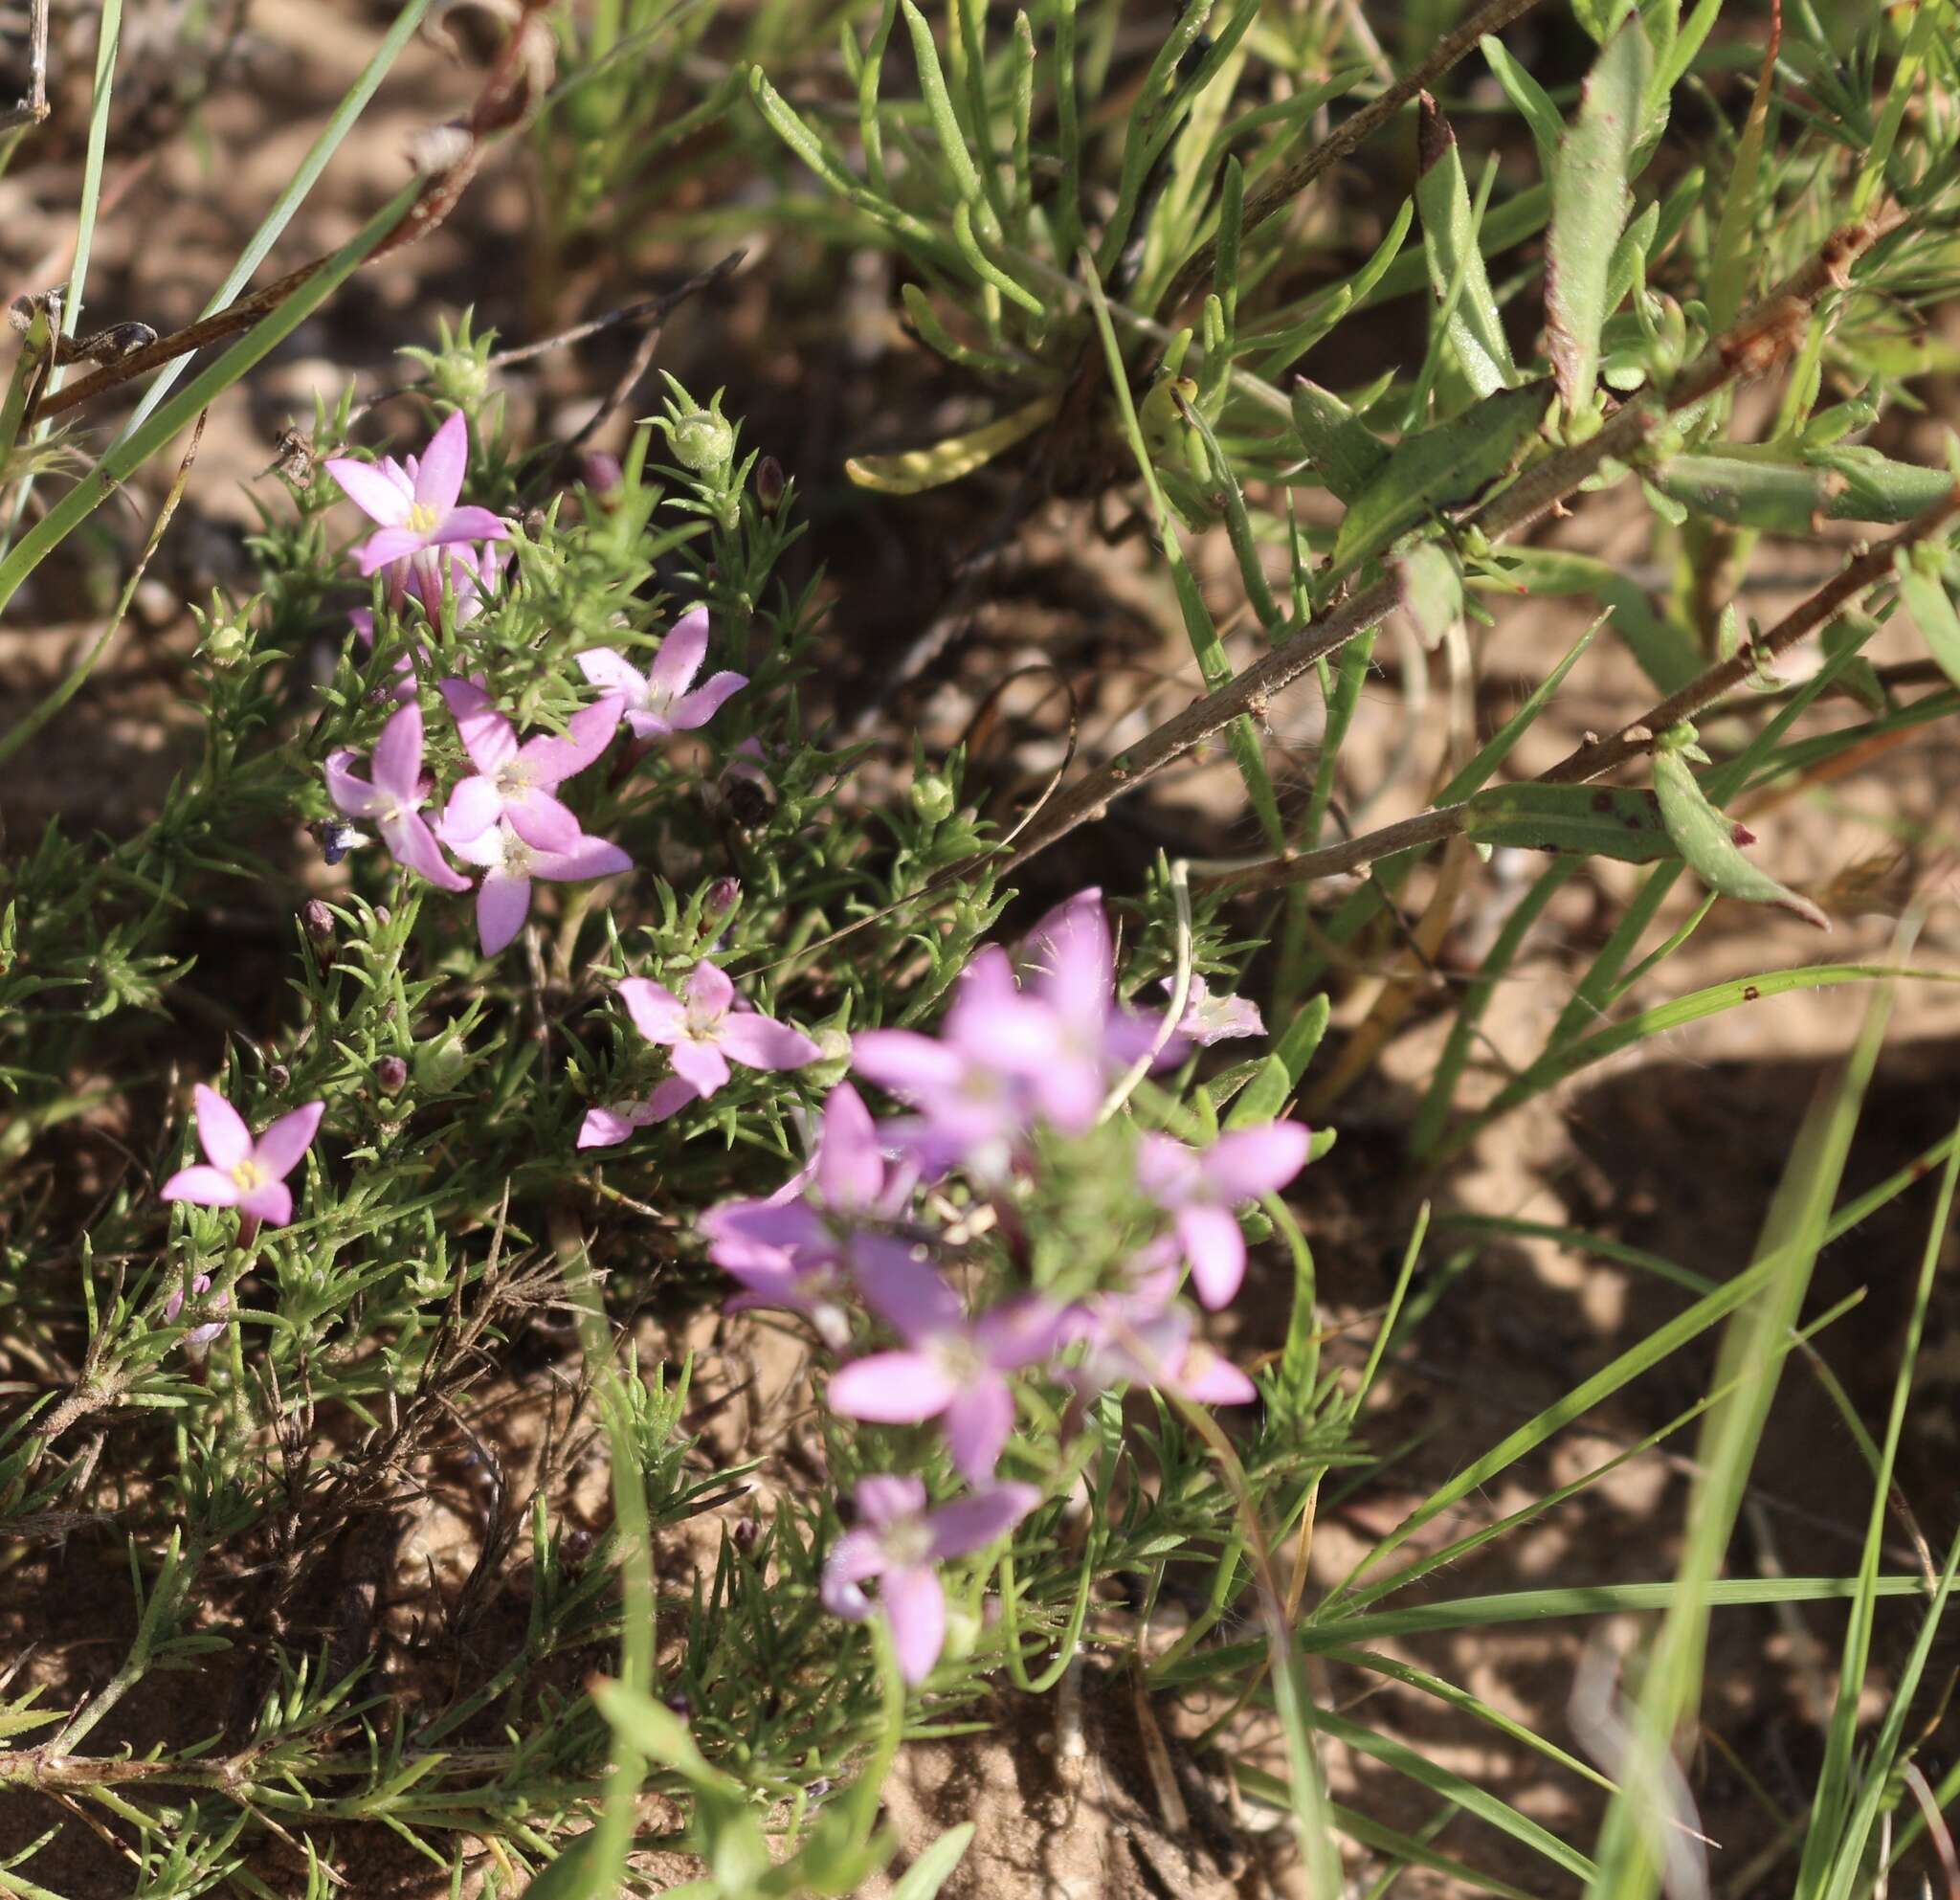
(1710, 842)
(934, 1867)
(1931, 608)
(1262, 1099)
(1531, 100)
(1436, 467)
(1598, 820)
(1835, 483)
(1475, 330)
(1591, 198)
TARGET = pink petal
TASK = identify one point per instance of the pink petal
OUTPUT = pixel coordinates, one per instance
(972, 1523)
(708, 989)
(369, 490)
(669, 1097)
(762, 1042)
(1250, 1162)
(541, 820)
(279, 1149)
(915, 1608)
(605, 1128)
(608, 668)
(856, 1556)
(905, 1293)
(892, 1388)
(398, 756)
(977, 1424)
(390, 546)
(1216, 1251)
(502, 903)
(587, 734)
(467, 525)
(701, 1063)
(270, 1204)
(414, 847)
(850, 1169)
(1212, 1380)
(1018, 1332)
(1167, 1170)
(681, 653)
(207, 1186)
(587, 857)
(693, 711)
(488, 737)
(886, 1499)
(439, 476)
(221, 1130)
(474, 805)
(909, 1065)
(657, 1012)
(349, 792)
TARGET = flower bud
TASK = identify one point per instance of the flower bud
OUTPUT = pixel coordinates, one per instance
(747, 1533)
(932, 798)
(769, 483)
(317, 919)
(391, 1073)
(277, 1076)
(702, 442)
(602, 472)
(723, 896)
(442, 1063)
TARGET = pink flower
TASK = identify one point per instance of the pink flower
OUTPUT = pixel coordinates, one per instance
(250, 1176)
(1008, 1053)
(706, 1032)
(518, 783)
(900, 1542)
(608, 1125)
(801, 1249)
(415, 504)
(949, 1366)
(1138, 1338)
(1209, 1019)
(199, 1336)
(658, 702)
(1201, 1188)
(503, 899)
(394, 798)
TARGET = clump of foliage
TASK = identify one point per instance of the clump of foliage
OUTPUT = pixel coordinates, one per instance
(517, 956)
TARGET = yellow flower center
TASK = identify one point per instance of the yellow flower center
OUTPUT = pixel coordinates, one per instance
(421, 517)
(249, 1174)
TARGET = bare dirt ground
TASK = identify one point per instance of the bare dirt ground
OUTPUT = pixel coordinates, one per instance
(1676, 1151)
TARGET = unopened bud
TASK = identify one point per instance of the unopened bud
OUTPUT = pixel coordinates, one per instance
(769, 483)
(277, 1076)
(932, 798)
(392, 1074)
(603, 474)
(317, 919)
(702, 442)
(723, 896)
(746, 1534)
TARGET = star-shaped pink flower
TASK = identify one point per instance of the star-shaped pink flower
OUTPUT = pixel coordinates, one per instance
(518, 783)
(250, 1176)
(657, 702)
(706, 1032)
(393, 798)
(415, 503)
(503, 899)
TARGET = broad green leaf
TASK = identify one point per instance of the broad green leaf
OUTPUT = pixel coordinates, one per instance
(1709, 841)
(1345, 453)
(1931, 608)
(1262, 1098)
(1602, 821)
(917, 469)
(1450, 242)
(1848, 483)
(1433, 468)
(1590, 201)
(1432, 592)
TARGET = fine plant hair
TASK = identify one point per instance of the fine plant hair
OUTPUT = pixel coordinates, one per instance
(483, 1524)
